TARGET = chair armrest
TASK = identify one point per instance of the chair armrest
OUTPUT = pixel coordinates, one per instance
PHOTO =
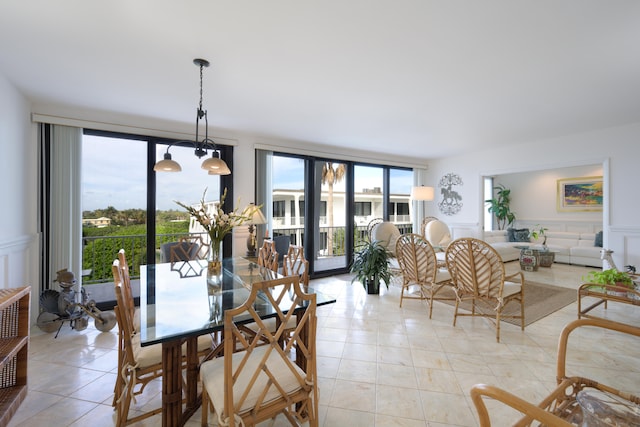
(531, 411)
(563, 342)
(519, 277)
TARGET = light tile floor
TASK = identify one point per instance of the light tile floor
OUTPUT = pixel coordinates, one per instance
(379, 365)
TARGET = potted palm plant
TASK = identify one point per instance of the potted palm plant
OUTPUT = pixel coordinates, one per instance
(499, 206)
(371, 265)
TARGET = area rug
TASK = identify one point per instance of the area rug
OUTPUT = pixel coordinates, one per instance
(540, 300)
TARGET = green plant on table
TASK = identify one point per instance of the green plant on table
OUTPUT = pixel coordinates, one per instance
(371, 264)
(539, 231)
(609, 277)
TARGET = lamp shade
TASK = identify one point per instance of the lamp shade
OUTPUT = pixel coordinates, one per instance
(422, 193)
(216, 166)
(257, 218)
(167, 165)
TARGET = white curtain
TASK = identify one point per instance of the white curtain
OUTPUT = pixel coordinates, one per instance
(65, 205)
(419, 211)
(264, 192)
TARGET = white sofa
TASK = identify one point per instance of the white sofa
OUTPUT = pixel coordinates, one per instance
(570, 248)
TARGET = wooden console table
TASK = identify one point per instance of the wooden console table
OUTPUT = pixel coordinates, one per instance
(603, 296)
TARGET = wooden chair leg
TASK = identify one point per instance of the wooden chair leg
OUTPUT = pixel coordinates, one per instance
(205, 408)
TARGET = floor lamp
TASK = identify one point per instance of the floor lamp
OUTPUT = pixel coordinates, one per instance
(422, 193)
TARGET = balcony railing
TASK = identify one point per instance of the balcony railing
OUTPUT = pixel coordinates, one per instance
(100, 251)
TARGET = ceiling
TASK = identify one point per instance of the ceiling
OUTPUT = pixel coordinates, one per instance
(424, 78)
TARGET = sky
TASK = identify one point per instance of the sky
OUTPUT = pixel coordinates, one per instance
(114, 174)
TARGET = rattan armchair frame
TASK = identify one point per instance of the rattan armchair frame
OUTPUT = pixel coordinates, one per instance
(419, 267)
(478, 275)
(560, 408)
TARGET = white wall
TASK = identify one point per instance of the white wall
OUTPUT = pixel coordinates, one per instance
(617, 150)
(534, 199)
(18, 240)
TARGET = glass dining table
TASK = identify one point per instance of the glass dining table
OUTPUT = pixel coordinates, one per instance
(178, 303)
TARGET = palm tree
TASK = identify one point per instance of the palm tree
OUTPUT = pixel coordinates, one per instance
(330, 176)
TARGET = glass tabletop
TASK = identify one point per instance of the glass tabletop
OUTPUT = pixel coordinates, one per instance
(177, 300)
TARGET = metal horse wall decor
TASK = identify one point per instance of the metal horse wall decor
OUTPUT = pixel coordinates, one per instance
(451, 202)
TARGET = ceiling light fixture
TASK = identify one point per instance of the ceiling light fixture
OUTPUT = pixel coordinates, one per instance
(214, 164)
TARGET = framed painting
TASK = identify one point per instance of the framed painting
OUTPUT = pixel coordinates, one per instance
(580, 194)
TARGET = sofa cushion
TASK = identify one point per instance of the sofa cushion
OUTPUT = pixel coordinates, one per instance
(494, 236)
(518, 234)
(598, 239)
(584, 251)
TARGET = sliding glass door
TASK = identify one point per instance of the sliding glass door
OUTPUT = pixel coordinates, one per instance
(329, 221)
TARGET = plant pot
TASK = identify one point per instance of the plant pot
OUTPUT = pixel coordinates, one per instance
(618, 290)
(373, 286)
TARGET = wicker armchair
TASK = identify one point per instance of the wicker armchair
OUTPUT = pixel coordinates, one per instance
(560, 408)
(478, 274)
(418, 265)
(423, 224)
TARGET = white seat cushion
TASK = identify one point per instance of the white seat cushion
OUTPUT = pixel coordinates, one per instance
(212, 375)
(510, 288)
(437, 233)
(151, 354)
(442, 275)
(387, 234)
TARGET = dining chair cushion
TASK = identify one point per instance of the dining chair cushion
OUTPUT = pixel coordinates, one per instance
(212, 375)
(151, 354)
(146, 356)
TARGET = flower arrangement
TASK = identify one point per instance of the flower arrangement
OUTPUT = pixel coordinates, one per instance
(218, 223)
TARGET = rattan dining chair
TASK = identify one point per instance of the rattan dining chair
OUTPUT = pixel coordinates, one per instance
(296, 263)
(137, 365)
(561, 407)
(253, 382)
(419, 268)
(267, 255)
(478, 275)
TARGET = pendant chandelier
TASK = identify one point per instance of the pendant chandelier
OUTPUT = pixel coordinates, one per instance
(214, 164)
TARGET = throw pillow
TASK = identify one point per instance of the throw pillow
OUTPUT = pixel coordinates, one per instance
(598, 242)
(518, 234)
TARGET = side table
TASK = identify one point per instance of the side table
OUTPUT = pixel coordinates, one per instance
(531, 258)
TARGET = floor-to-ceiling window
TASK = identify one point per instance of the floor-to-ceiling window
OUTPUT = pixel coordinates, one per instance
(128, 206)
(399, 211)
(325, 205)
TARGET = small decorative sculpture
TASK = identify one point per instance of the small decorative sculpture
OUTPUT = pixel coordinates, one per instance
(605, 255)
(58, 307)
